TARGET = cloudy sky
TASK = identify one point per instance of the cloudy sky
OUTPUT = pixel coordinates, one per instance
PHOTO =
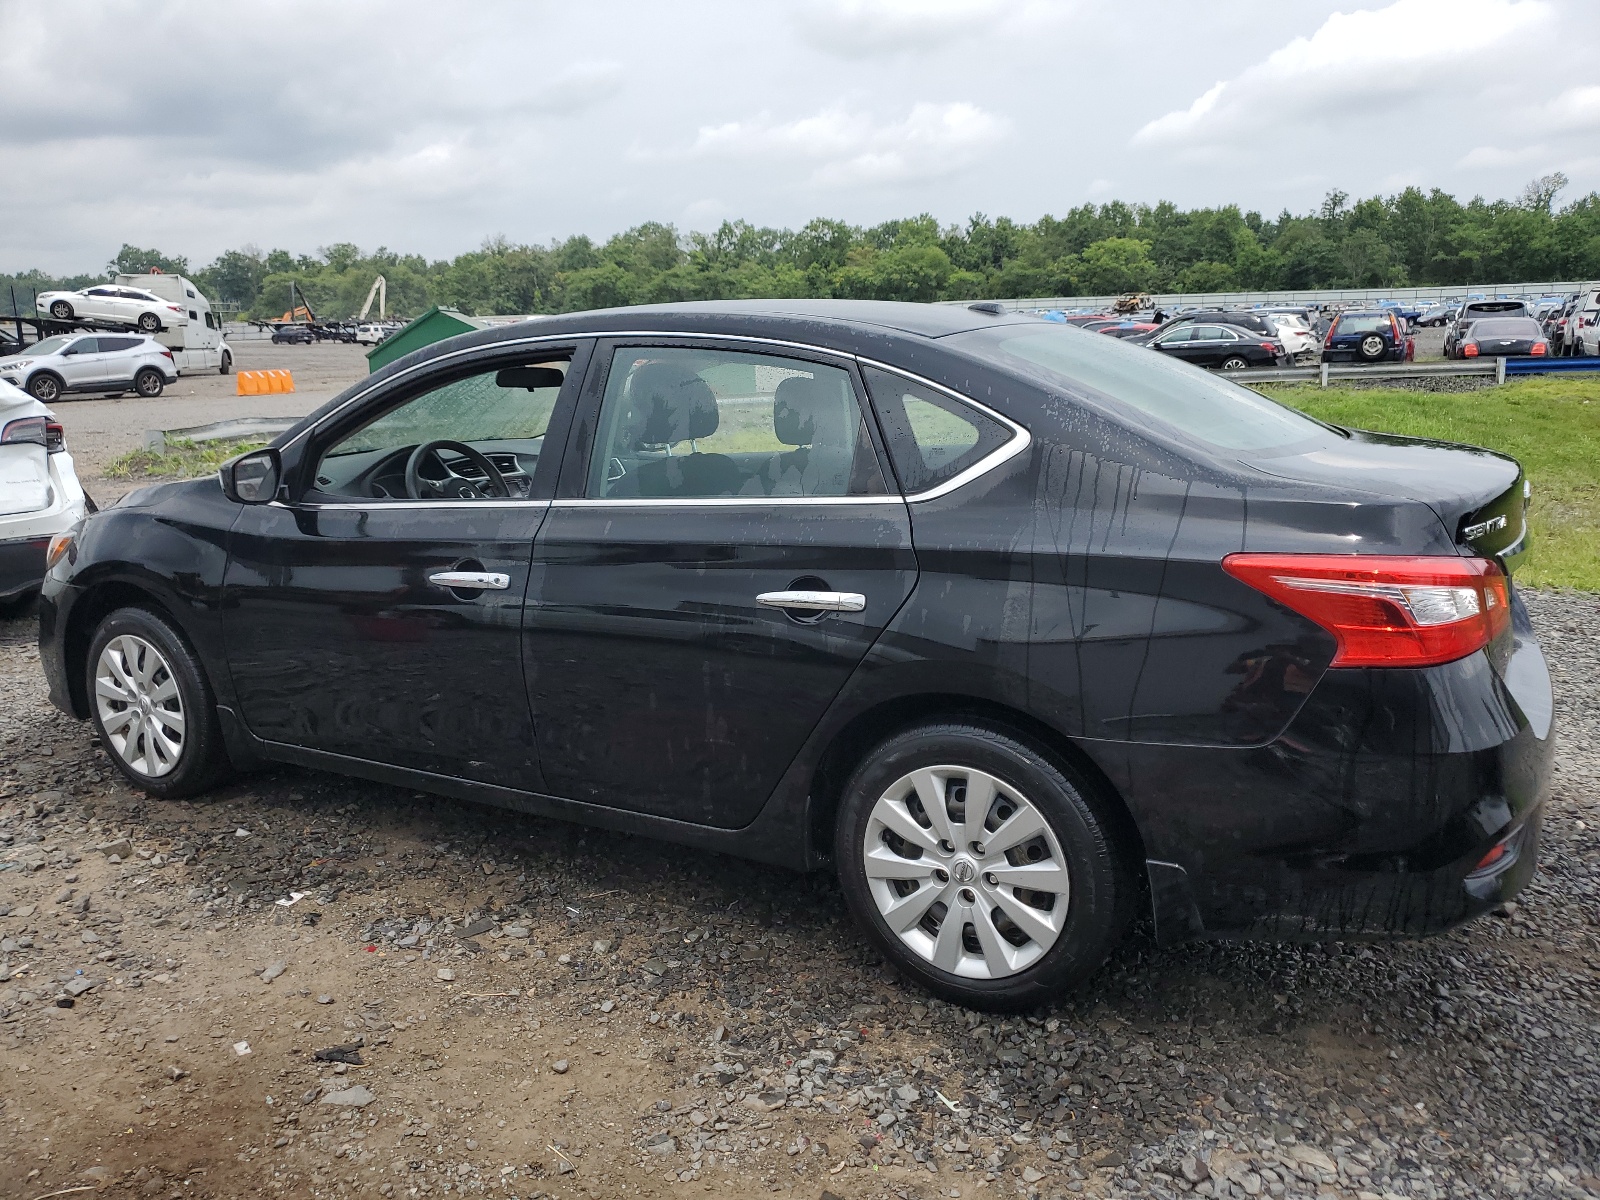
(427, 127)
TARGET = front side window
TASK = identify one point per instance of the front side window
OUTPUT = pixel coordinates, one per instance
(932, 437)
(478, 436)
(101, 292)
(704, 424)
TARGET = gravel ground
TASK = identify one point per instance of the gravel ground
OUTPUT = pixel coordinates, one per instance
(540, 1010)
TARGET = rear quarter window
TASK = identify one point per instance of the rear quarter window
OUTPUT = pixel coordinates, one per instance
(931, 437)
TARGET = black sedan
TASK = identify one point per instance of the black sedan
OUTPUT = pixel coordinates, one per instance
(1502, 337)
(1224, 347)
(292, 335)
(1018, 628)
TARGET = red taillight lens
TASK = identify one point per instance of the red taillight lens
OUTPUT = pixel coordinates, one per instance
(55, 437)
(1272, 346)
(1496, 853)
(166, 353)
(1538, 348)
(1386, 611)
(1469, 350)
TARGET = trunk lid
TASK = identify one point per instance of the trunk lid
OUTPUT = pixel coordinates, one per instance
(1480, 496)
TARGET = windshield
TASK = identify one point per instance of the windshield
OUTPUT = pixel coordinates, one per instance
(1182, 397)
(1514, 327)
(48, 346)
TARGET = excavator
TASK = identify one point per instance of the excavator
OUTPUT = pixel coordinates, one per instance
(298, 314)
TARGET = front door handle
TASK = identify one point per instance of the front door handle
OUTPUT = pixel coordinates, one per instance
(814, 601)
(471, 580)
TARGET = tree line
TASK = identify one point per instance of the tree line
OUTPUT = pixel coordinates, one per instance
(1411, 238)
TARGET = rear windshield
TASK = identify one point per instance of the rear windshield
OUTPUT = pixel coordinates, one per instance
(1507, 327)
(1180, 396)
(1366, 323)
(1501, 308)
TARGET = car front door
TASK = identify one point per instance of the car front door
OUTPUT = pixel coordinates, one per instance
(82, 365)
(376, 614)
(1179, 343)
(724, 549)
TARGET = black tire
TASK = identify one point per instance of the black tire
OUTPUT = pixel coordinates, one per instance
(202, 761)
(1372, 348)
(149, 383)
(45, 387)
(61, 310)
(227, 365)
(149, 323)
(1235, 363)
(1104, 888)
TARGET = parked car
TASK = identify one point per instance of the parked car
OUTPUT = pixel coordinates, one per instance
(91, 362)
(292, 335)
(40, 497)
(115, 303)
(1502, 337)
(1366, 336)
(1295, 334)
(1436, 315)
(1015, 627)
(371, 334)
(1225, 347)
(1583, 326)
(1123, 329)
(1476, 310)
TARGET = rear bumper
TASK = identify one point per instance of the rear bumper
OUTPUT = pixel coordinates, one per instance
(1369, 817)
(21, 565)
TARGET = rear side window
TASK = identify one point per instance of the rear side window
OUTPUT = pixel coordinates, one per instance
(108, 344)
(932, 437)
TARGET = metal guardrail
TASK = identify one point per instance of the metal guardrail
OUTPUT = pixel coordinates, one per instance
(1499, 368)
(1418, 295)
(238, 427)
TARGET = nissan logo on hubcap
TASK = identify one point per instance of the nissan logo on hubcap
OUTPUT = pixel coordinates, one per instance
(964, 871)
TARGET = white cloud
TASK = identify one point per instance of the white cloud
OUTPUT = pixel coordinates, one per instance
(1356, 64)
(838, 148)
(867, 28)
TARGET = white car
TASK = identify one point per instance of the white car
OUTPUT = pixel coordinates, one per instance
(113, 302)
(1295, 335)
(91, 362)
(40, 496)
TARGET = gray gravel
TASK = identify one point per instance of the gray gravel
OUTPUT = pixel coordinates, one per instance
(776, 1051)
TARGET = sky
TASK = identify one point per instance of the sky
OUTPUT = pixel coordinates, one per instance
(428, 128)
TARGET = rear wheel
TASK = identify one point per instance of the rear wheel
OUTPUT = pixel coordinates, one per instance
(44, 387)
(61, 310)
(149, 383)
(980, 868)
(149, 323)
(1236, 363)
(152, 705)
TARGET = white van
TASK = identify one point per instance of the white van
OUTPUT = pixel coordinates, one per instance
(1583, 326)
(197, 345)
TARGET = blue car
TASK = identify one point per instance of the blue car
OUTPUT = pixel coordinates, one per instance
(1371, 336)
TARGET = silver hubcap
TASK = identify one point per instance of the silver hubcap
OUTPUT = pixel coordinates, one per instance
(140, 708)
(1372, 345)
(966, 872)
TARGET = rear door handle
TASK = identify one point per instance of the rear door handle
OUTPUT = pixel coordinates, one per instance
(814, 601)
(471, 580)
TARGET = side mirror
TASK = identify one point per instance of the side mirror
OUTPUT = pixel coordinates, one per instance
(252, 478)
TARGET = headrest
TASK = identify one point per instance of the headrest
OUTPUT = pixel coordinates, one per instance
(671, 404)
(807, 411)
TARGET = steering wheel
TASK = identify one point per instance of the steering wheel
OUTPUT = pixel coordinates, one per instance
(452, 486)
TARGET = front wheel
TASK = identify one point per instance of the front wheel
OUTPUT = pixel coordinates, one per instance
(152, 705)
(227, 365)
(61, 310)
(149, 323)
(44, 388)
(148, 383)
(980, 868)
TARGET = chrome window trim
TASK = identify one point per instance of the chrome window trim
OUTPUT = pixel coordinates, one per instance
(379, 505)
(1019, 442)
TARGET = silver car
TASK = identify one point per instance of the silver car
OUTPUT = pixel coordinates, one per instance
(91, 362)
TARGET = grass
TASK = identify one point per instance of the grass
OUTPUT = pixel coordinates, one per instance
(1551, 426)
(182, 459)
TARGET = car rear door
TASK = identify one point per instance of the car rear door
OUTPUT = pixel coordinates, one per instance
(119, 358)
(723, 550)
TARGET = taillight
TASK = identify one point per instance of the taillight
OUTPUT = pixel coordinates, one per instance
(1469, 349)
(1538, 348)
(1272, 346)
(1383, 610)
(165, 353)
(24, 430)
(55, 437)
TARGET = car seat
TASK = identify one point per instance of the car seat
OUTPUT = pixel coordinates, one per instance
(671, 404)
(816, 419)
